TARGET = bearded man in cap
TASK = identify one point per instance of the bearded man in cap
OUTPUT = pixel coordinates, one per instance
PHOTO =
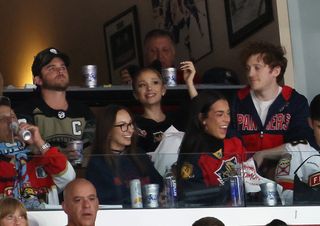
(60, 120)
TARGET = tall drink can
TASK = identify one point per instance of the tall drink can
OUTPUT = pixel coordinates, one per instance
(170, 184)
(236, 190)
(76, 145)
(135, 192)
(170, 76)
(151, 195)
(90, 74)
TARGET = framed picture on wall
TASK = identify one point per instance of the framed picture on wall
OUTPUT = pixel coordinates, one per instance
(123, 43)
(188, 21)
(244, 17)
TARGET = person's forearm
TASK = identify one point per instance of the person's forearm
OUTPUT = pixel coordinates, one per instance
(275, 153)
(271, 153)
(192, 90)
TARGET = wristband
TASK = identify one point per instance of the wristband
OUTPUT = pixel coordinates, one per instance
(45, 147)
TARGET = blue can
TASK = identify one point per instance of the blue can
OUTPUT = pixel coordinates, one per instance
(171, 191)
(236, 190)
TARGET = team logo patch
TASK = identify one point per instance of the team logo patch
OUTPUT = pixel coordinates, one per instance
(226, 169)
(187, 171)
(40, 172)
(283, 168)
(29, 192)
(314, 179)
(61, 114)
(218, 154)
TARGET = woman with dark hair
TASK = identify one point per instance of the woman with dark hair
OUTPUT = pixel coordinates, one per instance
(149, 89)
(115, 159)
(12, 212)
(207, 158)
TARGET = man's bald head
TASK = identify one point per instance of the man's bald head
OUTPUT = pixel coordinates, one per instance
(80, 203)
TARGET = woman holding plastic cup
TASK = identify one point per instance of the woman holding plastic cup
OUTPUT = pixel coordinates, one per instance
(149, 88)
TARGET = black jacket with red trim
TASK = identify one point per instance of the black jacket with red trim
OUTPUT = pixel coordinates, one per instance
(286, 121)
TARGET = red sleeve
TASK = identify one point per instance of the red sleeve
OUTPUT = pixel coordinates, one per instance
(235, 146)
(53, 161)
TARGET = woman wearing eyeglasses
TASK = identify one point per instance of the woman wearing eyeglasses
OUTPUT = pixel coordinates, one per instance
(12, 212)
(115, 159)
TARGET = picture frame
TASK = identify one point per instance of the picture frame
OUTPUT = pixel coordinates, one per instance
(189, 24)
(246, 17)
(122, 42)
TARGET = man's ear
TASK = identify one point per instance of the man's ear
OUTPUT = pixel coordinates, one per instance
(276, 71)
(63, 206)
(37, 80)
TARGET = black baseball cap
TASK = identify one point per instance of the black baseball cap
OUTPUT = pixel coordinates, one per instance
(44, 57)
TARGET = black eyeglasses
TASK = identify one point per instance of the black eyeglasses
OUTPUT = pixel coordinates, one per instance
(125, 126)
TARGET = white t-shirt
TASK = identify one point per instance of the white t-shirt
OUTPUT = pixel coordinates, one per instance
(261, 106)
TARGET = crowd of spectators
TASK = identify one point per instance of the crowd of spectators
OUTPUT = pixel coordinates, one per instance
(266, 120)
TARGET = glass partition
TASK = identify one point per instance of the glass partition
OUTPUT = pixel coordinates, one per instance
(194, 181)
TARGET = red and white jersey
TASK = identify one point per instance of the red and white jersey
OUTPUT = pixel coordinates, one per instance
(48, 174)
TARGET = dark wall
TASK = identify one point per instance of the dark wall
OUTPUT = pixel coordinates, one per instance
(76, 27)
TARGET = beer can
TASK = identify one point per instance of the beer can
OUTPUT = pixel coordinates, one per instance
(76, 145)
(135, 193)
(170, 76)
(269, 193)
(170, 184)
(236, 190)
(22, 133)
(25, 134)
(151, 195)
(90, 74)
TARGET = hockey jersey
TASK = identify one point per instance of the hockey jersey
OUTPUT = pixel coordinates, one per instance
(48, 174)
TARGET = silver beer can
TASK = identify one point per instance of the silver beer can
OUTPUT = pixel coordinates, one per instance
(76, 145)
(170, 76)
(22, 133)
(90, 74)
(269, 193)
(25, 134)
(135, 193)
(151, 195)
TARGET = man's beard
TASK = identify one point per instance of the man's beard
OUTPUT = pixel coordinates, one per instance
(62, 86)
